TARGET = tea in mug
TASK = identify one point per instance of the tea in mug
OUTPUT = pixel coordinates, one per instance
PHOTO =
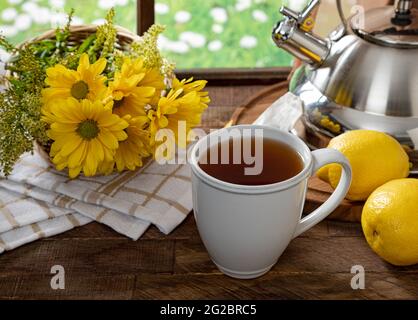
(279, 161)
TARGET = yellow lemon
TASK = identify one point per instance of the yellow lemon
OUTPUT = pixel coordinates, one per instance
(390, 221)
(375, 159)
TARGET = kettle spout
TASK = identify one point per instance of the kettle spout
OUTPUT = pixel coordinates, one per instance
(289, 35)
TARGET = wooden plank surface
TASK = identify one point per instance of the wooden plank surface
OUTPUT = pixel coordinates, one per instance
(101, 264)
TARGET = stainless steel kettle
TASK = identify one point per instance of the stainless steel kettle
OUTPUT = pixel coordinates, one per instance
(364, 75)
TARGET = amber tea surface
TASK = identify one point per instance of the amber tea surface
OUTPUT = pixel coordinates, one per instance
(280, 162)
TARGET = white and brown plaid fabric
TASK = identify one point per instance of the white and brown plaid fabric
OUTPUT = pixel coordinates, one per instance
(37, 201)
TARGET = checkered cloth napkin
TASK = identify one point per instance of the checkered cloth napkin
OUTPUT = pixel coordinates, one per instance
(37, 201)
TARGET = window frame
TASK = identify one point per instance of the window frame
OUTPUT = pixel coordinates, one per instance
(216, 76)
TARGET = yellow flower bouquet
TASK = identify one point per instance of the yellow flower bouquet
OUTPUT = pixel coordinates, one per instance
(94, 107)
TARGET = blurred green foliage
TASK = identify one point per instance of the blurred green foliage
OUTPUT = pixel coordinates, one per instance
(240, 23)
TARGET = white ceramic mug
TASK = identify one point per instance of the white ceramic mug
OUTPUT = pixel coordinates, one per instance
(246, 228)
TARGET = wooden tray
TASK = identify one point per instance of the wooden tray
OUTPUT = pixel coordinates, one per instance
(318, 191)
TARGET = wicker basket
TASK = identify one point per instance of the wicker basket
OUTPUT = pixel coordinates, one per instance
(78, 34)
(82, 32)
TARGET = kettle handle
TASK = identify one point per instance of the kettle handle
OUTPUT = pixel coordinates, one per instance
(402, 11)
(341, 14)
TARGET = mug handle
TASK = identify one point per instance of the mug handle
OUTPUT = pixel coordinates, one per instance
(321, 158)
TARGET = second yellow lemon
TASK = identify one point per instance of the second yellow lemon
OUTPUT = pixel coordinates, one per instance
(375, 158)
(390, 221)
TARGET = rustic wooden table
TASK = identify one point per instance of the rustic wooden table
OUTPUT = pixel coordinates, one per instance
(101, 264)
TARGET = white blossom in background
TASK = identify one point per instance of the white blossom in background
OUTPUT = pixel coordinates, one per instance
(41, 16)
(193, 39)
(29, 7)
(177, 47)
(8, 31)
(162, 41)
(182, 16)
(260, 16)
(77, 21)
(166, 44)
(121, 3)
(217, 28)
(215, 45)
(248, 42)
(15, 1)
(58, 19)
(23, 22)
(9, 14)
(98, 22)
(297, 5)
(259, 63)
(219, 15)
(161, 8)
(4, 57)
(57, 4)
(242, 5)
(106, 4)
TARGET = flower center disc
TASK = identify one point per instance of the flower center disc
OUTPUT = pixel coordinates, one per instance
(118, 103)
(79, 90)
(88, 129)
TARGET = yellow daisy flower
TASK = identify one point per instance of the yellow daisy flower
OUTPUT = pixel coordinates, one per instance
(85, 134)
(131, 151)
(189, 85)
(152, 78)
(132, 88)
(176, 107)
(84, 83)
